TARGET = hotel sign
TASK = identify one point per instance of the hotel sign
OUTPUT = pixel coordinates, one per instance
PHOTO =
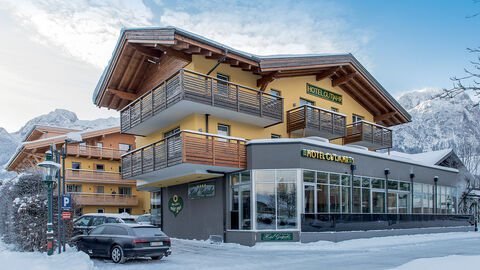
(326, 156)
(175, 205)
(278, 236)
(325, 94)
(202, 190)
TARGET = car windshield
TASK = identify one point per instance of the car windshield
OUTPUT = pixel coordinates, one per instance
(147, 231)
(143, 219)
(129, 220)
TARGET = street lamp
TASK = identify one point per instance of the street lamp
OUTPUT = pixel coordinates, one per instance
(50, 170)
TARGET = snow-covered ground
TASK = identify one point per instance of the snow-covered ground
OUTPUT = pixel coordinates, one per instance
(429, 251)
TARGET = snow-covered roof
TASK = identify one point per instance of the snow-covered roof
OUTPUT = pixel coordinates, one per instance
(432, 157)
(422, 159)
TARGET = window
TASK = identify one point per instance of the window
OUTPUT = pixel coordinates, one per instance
(223, 130)
(124, 147)
(112, 220)
(97, 230)
(275, 136)
(275, 92)
(125, 210)
(76, 166)
(98, 221)
(74, 188)
(99, 167)
(100, 189)
(356, 118)
(125, 191)
(114, 230)
(100, 144)
(240, 212)
(306, 102)
(100, 210)
(222, 86)
(333, 109)
(171, 132)
(83, 221)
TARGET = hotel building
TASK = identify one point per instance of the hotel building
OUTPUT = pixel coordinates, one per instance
(92, 167)
(255, 148)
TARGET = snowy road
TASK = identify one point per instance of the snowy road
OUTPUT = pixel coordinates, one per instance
(430, 251)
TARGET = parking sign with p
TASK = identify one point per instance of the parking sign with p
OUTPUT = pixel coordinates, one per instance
(66, 202)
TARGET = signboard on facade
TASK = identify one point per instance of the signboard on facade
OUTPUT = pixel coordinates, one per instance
(201, 190)
(175, 205)
(66, 215)
(325, 94)
(326, 156)
(277, 236)
(66, 202)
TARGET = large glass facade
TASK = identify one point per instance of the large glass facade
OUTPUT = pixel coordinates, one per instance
(240, 204)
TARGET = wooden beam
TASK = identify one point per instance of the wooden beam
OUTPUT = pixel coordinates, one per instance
(265, 80)
(122, 94)
(245, 66)
(205, 52)
(326, 73)
(232, 62)
(383, 116)
(181, 46)
(146, 50)
(193, 49)
(137, 71)
(345, 78)
(174, 53)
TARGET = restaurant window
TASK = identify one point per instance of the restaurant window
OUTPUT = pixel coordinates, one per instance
(124, 147)
(306, 102)
(156, 207)
(378, 202)
(223, 86)
(240, 206)
(99, 167)
(100, 189)
(366, 181)
(74, 188)
(417, 198)
(356, 118)
(275, 136)
(125, 210)
(125, 191)
(76, 166)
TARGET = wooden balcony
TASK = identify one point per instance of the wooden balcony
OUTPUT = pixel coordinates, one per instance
(104, 199)
(186, 155)
(369, 135)
(90, 176)
(308, 120)
(187, 92)
(94, 152)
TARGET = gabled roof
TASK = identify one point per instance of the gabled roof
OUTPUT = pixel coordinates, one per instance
(137, 48)
(431, 157)
(38, 130)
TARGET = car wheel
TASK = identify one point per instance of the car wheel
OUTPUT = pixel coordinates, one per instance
(117, 254)
(157, 257)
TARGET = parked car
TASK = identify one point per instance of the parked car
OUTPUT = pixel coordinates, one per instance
(120, 242)
(89, 221)
(149, 219)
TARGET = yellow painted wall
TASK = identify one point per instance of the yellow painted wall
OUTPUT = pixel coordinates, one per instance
(292, 89)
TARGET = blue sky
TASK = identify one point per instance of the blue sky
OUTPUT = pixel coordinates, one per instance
(61, 47)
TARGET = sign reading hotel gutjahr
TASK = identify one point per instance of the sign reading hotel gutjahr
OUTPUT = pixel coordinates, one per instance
(201, 190)
(175, 204)
(325, 94)
(277, 236)
(326, 156)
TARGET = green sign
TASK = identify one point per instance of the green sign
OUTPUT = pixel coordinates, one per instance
(175, 205)
(278, 236)
(202, 190)
(325, 94)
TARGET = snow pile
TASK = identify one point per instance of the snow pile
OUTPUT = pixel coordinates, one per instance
(71, 260)
(442, 263)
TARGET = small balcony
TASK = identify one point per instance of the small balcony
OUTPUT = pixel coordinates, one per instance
(184, 157)
(370, 135)
(94, 152)
(187, 92)
(308, 120)
(104, 199)
(100, 177)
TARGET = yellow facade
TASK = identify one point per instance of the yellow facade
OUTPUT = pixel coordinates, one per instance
(291, 89)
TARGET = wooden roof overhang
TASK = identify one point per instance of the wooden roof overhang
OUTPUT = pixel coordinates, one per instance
(141, 54)
(345, 72)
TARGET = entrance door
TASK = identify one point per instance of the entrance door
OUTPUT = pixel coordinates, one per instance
(241, 208)
(403, 203)
(392, 203)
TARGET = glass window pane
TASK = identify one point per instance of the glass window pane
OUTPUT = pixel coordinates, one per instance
(234, 213)
(309, 199)
(246, 221)
(334, 199)
(322, 178)
(334, 179)
(365, 182)
(392, 184)
(345, 199)
(356, 181)
(404, 186)
(365, 200)
(287, 176)
(356, 200)
(417, 187)
(246, 177)
(286, 206)
(392, 203)
(322, 199)
(378, 201)
(309, 176)
(235, 178)
(346, 180)
(265, 176)
(417, 203)
(378, 183)
(403, 203)
(265, 204)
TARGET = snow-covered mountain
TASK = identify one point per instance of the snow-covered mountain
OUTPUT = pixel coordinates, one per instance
(59, 117)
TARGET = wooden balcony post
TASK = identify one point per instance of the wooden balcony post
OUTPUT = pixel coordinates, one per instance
(373, 134)
(153, 155)
(281, 107)
(238, 102)
(167, 150)
(304, 119)
(184, 155)
(131, 165)
(141, 160)
(153, 100)
(211, 92)
(261, 105)
(213, 150)
(333, 123)
(129, 117)
(182, 88)
(141, 109)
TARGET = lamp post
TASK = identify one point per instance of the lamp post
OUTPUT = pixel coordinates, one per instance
(51, 169)
(353, 167)
(387, 172)
(435, 197)
(412, 175)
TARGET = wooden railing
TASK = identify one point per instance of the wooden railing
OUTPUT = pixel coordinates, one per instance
(197, 87)
(90, 176)
(326, 122)
(376, 136)
(94, 152)
(104, 199)
(185, 147)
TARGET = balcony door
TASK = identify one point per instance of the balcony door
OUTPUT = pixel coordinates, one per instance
(222, 86)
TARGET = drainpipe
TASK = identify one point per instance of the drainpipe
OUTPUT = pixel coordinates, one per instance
(412, 175)
(353, 167)
(206, 122)
(435, 208)
(387, 172)
(219, 62)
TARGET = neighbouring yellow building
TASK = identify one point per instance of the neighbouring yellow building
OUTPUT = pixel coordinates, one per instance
(92, 167)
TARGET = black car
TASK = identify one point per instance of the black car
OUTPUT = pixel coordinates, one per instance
(85, 223)
(121, 241)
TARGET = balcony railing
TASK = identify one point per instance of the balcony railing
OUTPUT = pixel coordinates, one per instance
(94, 152)
(185, 147)
(370, 135)
(205, 90)
(104, 199)
(309, 120)
(90, 176)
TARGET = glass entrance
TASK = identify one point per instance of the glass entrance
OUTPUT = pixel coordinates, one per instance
(240, 211)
